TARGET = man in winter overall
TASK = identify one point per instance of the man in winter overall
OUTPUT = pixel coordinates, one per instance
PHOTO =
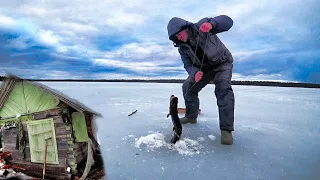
(205, 59)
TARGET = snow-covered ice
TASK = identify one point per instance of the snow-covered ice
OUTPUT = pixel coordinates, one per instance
(152, 141)
(184, 146)
(277, 132)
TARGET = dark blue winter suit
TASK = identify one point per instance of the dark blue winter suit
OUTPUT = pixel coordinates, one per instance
(212, 58)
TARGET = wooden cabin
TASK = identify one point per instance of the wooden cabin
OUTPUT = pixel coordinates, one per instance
(37, 120)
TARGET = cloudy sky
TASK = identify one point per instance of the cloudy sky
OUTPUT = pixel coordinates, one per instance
(96, 39)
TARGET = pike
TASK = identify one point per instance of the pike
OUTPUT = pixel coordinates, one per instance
(173, 111)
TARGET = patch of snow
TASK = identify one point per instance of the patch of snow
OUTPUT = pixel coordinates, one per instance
(212, 137)
(187, 147)
(184, 146)
(152, 141)
(201, 139)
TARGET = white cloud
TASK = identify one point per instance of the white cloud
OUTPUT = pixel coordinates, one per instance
(121, 20)
(40, 73)
(259, 77)
(78, 27)
(19, 43)
(244, 55)
(142, 51)
(58, 74)
(129, 76)
(27, 10)
(48, 37)
(6, 21)
(137, 66)
(234, 10)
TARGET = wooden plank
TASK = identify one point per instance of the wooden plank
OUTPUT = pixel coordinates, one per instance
(38, 116)
(64, 145)
(16, 156)
(58, 119)
(38, 167)
(41, 132)
(10, 146)
(38, 133)
(62, 130)
(63, 136)
(62, 156)
(47, 113)
(183, 111)
(10, 132)
(55, 112)
(48, 175)
(79, 127)
(9, 140)
(59, 125)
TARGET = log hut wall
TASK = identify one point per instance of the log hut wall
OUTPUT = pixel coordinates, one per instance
(64, 141)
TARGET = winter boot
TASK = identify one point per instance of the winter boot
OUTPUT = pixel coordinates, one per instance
(185, 120)
(226, 137)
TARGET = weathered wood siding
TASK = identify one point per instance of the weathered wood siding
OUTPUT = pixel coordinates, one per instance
(64, 140)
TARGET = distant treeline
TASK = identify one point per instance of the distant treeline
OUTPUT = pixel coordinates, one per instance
(246, 83)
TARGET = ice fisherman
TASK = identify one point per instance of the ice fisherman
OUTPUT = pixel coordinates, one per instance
(206, 59)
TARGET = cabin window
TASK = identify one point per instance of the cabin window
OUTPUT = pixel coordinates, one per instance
(79, 127)
(42, 133)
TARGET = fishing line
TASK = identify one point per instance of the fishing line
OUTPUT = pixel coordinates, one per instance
(205, 47)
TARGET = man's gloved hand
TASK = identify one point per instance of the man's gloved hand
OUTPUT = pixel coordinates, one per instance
(206, 27)
(198, 76)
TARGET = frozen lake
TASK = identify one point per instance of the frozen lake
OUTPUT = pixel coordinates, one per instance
(277, 132)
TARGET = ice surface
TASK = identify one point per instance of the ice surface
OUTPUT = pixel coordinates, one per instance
(277, 132)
